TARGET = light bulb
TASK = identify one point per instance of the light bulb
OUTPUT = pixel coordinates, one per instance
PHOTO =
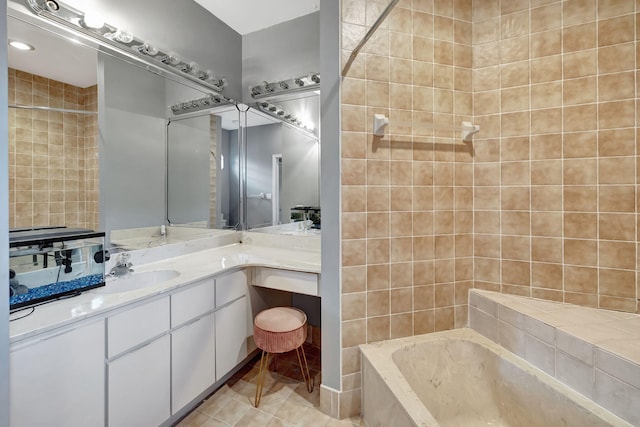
(170, 59)
(147, 49)
(255, 91)
(92, 20)
(123, 36)
(194, 67)
(52, 5)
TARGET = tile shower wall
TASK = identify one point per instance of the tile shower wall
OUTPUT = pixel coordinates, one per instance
(555, 167)
(543, 203)
(407, 198)
(53, 156)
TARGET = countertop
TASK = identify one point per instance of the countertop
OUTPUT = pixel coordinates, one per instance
(192, 267)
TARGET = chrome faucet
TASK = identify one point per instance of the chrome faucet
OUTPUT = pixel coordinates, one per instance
(122, 267)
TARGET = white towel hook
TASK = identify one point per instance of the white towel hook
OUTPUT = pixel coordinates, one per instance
(380, 123)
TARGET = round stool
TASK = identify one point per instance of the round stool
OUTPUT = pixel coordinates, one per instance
(280, 330)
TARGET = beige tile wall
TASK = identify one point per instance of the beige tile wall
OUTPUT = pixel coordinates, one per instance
(407, 198)
(543, 203)
(555, 168)
(53, 157)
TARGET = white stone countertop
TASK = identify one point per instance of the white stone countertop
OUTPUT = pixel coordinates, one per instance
(192, 267)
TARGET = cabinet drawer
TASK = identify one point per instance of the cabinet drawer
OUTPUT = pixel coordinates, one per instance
(137, 325)
(286, 280)
(230, 287)
(192, 302)
(139, 386)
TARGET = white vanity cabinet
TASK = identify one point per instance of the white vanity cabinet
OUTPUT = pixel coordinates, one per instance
(139, 365)
(231, 321)
(57, 379)
(193, 343)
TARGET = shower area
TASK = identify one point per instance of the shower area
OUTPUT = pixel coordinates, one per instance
(53, 153)
(542, 202)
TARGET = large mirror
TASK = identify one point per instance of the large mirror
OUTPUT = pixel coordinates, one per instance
(203, 169)
(283, 168)
(106, 153)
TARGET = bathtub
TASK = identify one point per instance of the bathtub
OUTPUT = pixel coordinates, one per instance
(460, 378)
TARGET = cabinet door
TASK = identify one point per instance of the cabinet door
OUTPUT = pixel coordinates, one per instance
(139, 389)
(231, 336)
(193, 355)
(59, 380)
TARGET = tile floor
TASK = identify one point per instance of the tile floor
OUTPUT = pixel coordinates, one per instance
(285, 401)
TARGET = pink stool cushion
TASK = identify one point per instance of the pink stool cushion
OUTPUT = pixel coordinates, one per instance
(280, 329)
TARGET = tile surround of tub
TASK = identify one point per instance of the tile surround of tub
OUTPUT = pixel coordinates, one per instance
(561, 172)
(545, 205)
(53, 156)
(594, 351)
(407, 198)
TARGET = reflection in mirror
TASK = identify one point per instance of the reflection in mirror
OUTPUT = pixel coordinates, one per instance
(72, 167)
(283, 168)
(53, 148)
(202, 167)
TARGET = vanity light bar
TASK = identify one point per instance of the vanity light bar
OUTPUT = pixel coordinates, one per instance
(297, 84)
(279, 113)
(124, 41)
(209, 101)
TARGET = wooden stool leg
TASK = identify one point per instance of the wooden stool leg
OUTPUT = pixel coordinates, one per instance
(264, 367)
(305, 369)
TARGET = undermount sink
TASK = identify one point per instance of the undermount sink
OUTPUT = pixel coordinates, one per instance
(134, 281)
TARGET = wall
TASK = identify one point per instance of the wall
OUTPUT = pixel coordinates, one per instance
(407, 198)
(132, 146)
(542, 204)
(556, 180)
(4, 222)
(286, 50)
(182, 27)
(188, 170)
(53, 162)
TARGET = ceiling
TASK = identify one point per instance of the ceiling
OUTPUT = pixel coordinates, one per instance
(247, 16)
(74, 64)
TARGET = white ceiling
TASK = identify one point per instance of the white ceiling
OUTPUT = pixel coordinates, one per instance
(247, 16)
(74, 64)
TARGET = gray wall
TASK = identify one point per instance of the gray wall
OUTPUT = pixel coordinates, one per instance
(300, 171)
(282, 51)
(4, 222)
(180, 26)
(188, 180)
(132, 145)
(330, 198)
(262, 143)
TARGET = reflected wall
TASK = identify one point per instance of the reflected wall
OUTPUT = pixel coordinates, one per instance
(53, 156)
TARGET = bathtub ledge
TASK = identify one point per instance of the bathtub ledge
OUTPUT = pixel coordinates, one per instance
(594, 351)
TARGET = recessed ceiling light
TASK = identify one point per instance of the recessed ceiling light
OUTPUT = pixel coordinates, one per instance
(20, 45)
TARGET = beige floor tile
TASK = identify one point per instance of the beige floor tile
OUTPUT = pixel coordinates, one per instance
(214, 404)
(291, 412)
(233, 411)
(254, 418)
(215, 423)
(285, 401)
(277, 422)
(314, 418)
(194, 419)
